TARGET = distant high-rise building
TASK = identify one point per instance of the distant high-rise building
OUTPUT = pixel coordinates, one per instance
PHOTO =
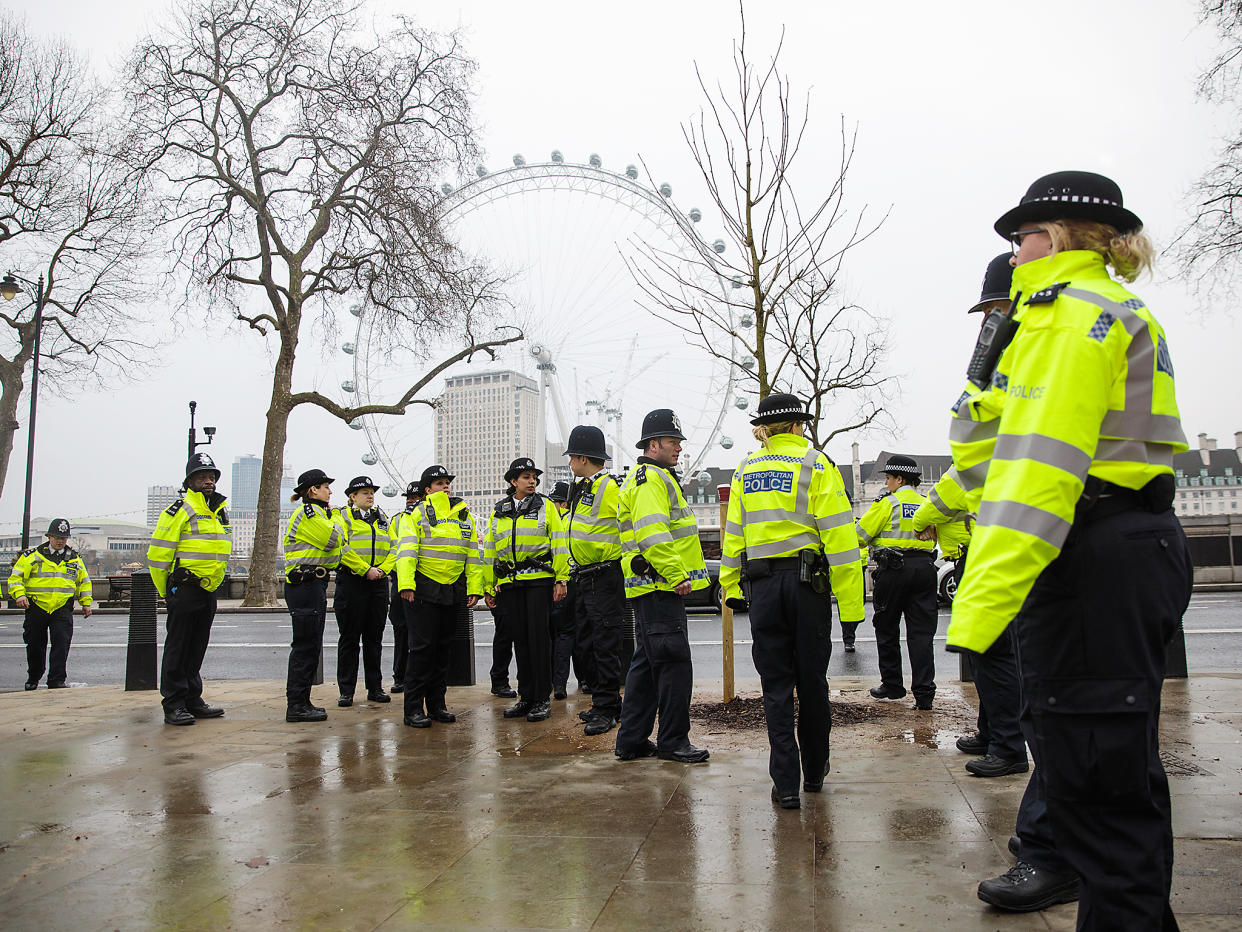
(484, 421)
(244, 486)
(160, 497)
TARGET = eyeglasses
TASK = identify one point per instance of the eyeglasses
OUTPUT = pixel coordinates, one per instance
(1015, 238)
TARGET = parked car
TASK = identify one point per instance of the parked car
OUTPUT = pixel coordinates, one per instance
(711, 596)
(946, 581)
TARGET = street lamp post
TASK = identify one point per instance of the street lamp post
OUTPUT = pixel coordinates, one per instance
(194, 442)
(9, 289)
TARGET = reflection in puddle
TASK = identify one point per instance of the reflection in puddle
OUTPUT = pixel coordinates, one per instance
(933, 738)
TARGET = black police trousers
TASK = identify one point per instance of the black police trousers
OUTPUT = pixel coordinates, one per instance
(308, 607)
(600, 599)
(502, 646)
(790, 625)
(525, 607)
(36, 628)
(396, 615)
(661, 675)
(191, 610)
(564, 630)
(1092, 639)
(429, 628)
(910, 590)
(361, 607)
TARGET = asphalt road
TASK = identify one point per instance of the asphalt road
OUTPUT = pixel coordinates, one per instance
(256, 646)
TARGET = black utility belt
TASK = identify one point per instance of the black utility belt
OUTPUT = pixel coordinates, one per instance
(183, 577)
(756, 568)
(592, 569)
(1100, 498)
(344, 573)
(305, 574)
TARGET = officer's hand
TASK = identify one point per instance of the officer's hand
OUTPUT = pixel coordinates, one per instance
(490, 601)
(558, 592)
(375, 573)
(86, 611)
(472, 601)
(23, 602)
(407, 594)
(928, 533)
(683, 587)
(738, 605)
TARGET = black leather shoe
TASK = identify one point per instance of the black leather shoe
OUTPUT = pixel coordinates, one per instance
(442, 715)
(849, 648)
(345, 701)
(786, 800)
(646, 750)
(1025, 889)
(518, 709)
(991, 765)
(1015, 845)
(600, 724)
(813, 786)
(378, 696)
(585, 690)
(504, 691)
(178, 717)
(397, 688)
(305, 712)
(418, 720)
(923, 705)
(539, 711)
(57, 685)
(884, 692)
(205, 711)
(30, 686)
(559, 693)
(972, 744)
(687, 755)
(586, 715)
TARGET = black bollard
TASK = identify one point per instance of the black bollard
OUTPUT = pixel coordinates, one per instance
(140, 668)
(966, 667)
(461, 653)
(627, 640)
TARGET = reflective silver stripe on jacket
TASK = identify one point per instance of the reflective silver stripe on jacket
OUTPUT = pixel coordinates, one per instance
(1028, 519)
(1043, 449)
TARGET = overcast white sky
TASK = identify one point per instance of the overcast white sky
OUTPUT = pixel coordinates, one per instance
(959, 107)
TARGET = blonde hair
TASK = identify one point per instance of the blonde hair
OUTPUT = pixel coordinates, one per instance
(765, 432)
(1128, 254)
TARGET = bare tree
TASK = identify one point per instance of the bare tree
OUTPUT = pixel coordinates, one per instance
(68, 213)
(298, 153)
(781, 314)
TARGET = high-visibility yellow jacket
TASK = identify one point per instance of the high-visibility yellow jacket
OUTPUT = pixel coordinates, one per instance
(788, 497)
(1085, 388)
(441, 541)
(953, 524)
(312, 538)
(657, 523)
(593, 528)
(50, 580)
(193, 532)
(365, 542)
(889, 522)
(520, 531)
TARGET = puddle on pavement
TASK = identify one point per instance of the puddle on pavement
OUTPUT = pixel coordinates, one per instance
(933, 738)
(554, 746)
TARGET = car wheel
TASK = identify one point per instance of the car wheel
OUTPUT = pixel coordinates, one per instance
(948, 588)
(717, 598)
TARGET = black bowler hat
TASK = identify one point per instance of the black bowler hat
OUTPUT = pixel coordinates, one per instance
(586, 440)
(358, 483)
(560, 491)
(996, 281)
(413, 491)
(311, 477)
(200, 462)
(780, 407)
(899, 465)
(661, 422)
(520, 465)
(58, 528)
(432, 473)
(1070, 196)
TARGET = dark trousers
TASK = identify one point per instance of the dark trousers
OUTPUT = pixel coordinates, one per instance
(564, 630)
(660, 677)
(849, 631)
(790, 624)
(910, 590)
(1092, 639)
(191, 610)
(584, 642)
(361, 606)
(525, 607)
(600, 599)
(429, 628)
(308, 607)
(36, 628)
(400, 648)
(502, 646)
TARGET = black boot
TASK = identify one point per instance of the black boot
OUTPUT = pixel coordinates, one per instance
(305, 712)
(1025, 888)
(518, 709)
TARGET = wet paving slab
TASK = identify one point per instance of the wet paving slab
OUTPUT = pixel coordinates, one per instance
(111, 820)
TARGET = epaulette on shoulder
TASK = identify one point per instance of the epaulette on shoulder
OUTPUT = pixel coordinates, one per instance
(70, 553)
(309, 509)
(1047, 295)
(175, 507)
(641, 475)
(503, 507)
(883, 495)
(28, 552)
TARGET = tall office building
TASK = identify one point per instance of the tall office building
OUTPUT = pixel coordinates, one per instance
(160, 497)
(484, 421)
(244, 485)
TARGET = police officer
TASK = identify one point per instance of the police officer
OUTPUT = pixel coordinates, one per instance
(998, 744)
(662, 562)
(564, 624)
(312, 548)
(396, 606)
(789, 531)
(189, 556)
(45, 580)
(1077, 538)
(594, 531)
(439, 571)
(361, 601)
(526, 568)
(905, 583)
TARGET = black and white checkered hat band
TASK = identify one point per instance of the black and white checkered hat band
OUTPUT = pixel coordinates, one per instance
(781, 411)
(912, 470)
(1073, 199)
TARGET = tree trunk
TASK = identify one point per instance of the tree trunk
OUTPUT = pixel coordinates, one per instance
(262, 587)
(11, 386)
